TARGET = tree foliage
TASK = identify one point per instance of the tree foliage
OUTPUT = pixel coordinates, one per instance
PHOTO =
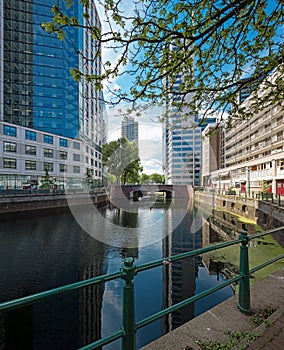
(218, 47)
(154, 178)
(121, 159)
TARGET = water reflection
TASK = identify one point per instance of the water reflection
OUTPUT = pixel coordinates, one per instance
(38, 254)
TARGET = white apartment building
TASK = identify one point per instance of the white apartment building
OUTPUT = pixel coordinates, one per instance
(254, 153)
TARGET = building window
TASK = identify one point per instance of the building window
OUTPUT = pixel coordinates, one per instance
(281, 164)
(30, 165)
(76, 157)
(30, 135)
(48, 166)
(48, 139)
(30, 150)
(63, 142)
(76, 169)
(76, 145)
(9, 146)
(63, 155)
(10, 163)
(63, 168)
(48, 153)
(10, 130)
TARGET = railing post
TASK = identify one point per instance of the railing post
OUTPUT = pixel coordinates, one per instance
(128, 309)
(279, 200)
(244, 285)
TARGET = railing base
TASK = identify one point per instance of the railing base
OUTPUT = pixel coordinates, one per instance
(244, 311)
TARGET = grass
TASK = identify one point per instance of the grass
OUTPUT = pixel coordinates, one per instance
(260, 250)
(234, 339)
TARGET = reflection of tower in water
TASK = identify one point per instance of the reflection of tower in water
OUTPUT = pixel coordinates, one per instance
(90, 300)
(179, 277)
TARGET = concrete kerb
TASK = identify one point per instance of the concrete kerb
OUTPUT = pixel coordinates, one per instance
(259, 331)
(211, 325)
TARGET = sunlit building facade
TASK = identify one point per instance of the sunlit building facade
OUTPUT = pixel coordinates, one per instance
(181, 143)
(254, 151)
(38, 95)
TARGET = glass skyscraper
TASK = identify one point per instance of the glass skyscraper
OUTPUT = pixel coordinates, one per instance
(36, 88)
(181, 142)
(182, 153)
(129, 129)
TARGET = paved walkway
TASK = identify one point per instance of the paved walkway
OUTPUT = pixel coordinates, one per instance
(214, 324)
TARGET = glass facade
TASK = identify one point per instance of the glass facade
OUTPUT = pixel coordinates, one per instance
(39, 100)
(39, 91)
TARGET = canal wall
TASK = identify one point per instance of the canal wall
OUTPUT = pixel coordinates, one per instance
(271, 216)
(30, 204)
(241, 213)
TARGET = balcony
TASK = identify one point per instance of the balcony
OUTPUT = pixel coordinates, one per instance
(261, 173)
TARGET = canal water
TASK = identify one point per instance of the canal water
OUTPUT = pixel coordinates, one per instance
(39, 253)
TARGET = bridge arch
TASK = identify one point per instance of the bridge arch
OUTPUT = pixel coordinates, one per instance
(130, 191)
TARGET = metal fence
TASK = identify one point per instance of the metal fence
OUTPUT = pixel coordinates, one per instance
(258, 195)
(41, 191)
(128, 271)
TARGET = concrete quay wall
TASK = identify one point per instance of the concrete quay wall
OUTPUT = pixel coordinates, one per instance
(33, 203)
(265, 214)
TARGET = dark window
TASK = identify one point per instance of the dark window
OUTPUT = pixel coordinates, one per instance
(48, 153)
(63, 168)
(9, 163)
(9, 146)
(30, 165)
(31, 150)
(30, 135)
(10, 130)
(48, 139)
(63, 142)
(62, 155)
(48, 166)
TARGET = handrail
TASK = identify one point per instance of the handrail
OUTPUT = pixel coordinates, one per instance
(129, 270)
(30, 299)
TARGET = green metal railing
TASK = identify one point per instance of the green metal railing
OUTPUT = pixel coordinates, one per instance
(129, 270)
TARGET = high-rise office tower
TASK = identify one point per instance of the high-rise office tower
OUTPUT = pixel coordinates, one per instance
(49, 122)
(182, 154)
(129, 129)
(181, 142)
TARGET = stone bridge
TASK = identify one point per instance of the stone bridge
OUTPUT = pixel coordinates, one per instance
(135, 191)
